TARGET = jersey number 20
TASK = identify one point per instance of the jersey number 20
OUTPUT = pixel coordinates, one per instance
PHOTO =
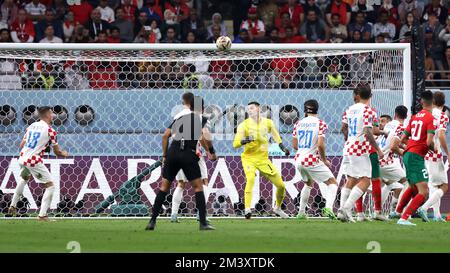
(304, 138)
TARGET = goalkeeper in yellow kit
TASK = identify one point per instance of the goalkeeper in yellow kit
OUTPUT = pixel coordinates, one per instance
(253, 134)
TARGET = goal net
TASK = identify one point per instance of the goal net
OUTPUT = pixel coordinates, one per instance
(113, 101)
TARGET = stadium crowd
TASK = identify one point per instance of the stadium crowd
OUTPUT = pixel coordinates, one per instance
(203, 21)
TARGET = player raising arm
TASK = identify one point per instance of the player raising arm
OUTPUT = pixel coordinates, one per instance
(309, 141)
(37, 138)
(253, 133)
(435, 161)
(418, 137)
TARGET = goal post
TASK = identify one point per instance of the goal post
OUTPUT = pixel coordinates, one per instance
(113, 101)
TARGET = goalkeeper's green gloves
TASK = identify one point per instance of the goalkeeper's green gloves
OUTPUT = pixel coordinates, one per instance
(284, 149)
(247, 140)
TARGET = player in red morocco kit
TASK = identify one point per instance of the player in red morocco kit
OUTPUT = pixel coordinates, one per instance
(419, 137)
(435, 161)
(34, 143)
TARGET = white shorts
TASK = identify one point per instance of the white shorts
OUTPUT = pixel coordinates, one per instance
(392, 173)
(318, 173)
(436, 172)
(39, 172)
(344, 164)
(359, 166)
(204, 171)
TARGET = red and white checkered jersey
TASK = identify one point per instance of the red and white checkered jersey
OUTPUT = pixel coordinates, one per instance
(307, 132)
(440, 122)
(395, 130)
(359, 116)
(37, 137)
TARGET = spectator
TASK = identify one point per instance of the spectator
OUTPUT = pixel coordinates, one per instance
(115, 36)
(444, 35)
(357, 37)
(195, 24)
(82, 12)
(137, 3)
(392, 12)
(156, 31)
(130, 11)
(341, 8)
(9, 11)
(255, 27)
(369, 11)
(60, 9)
(125, 27)
(50, 36)
(314, 29)
(171, 35)
(107, 13)
(409, 6)
(147, 35)
(360, 26)
(35, 11)
(170, 20)
(81, 35)
(49, 20)
(333, 78)
(295, 11)
(216, 34)
(383, 27)
(243, 37)
(338, 32)
(180, 9)
(190, 38)
(405, 30)
(433, 46)
(96, 24)
(102, 37)
(5, 36)
(284, 23)
(268, 12)
(152, 10)
(142, 20)
(285, 70)
(217, 20)
(274, 37)
(22, 30)
(379, 39)
(311, 5)
(239, 12)
(292, 37)
(68, 26)
(436, 8)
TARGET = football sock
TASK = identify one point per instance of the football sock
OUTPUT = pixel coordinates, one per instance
(331, 196)
(304, 197)
(359, 205)
(345, 192)
(18, 192)
(160, 197)
(406, 197)
(176, 199)
(355, 194)
(434, 197)
(413, 206)
(201, 206)
(376, 193)
(46, 200)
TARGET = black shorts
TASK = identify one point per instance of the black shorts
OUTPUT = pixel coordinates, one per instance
(177, 160)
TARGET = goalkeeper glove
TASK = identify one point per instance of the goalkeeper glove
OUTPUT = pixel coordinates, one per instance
(284, 149)
(247, 140)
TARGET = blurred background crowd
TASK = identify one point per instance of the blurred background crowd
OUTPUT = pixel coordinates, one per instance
(245, 21)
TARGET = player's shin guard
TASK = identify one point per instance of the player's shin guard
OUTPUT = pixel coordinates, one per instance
(160, 197)
(304, 197)
(331, 196)
(176, 199)
(18, 192)
(201, 206)
(46, 201)
(376, 193)
(415, 204)
(404, 200)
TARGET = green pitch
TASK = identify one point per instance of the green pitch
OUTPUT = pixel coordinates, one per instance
(270, 235)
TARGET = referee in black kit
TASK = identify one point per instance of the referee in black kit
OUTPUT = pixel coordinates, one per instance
(187, 128)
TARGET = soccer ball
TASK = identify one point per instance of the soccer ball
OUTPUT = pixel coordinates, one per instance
(223, 43)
